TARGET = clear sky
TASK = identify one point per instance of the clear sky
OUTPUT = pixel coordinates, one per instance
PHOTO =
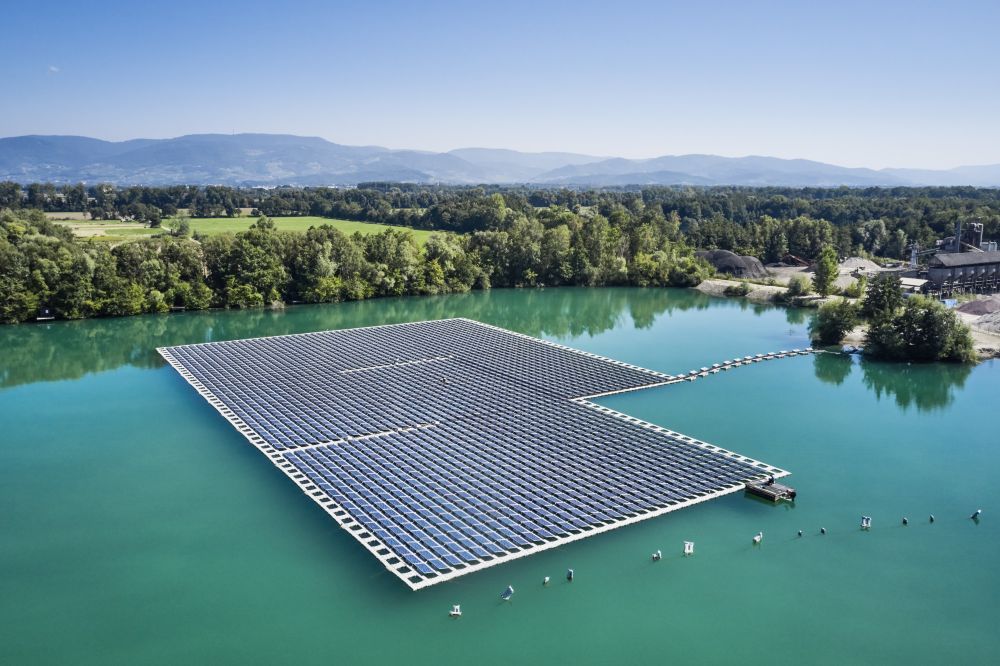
(855, 83)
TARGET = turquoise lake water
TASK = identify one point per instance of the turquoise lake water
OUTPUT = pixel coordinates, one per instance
(138, 527)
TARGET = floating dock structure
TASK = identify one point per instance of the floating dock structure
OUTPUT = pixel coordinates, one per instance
(769, 489)
(448, 446)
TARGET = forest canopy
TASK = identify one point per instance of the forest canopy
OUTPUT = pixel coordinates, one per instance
(484, 237)
(763, 222)
(43, 266)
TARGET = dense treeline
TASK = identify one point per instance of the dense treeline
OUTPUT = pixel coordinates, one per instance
(764, 222)
(43, 266)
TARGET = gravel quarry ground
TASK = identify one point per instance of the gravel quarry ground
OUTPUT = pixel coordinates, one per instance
(981, 306)
(848, 268)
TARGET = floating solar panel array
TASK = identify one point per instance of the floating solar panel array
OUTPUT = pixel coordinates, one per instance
(448, 446)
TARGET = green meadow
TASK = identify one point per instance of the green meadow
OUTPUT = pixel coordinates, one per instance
(210, 226)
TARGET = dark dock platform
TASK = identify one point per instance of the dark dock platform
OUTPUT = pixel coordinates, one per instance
(770, 490)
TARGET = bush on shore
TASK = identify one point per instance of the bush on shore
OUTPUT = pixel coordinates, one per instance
(833, 320)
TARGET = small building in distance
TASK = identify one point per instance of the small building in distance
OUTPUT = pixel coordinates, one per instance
(911, 285)
(964, 272)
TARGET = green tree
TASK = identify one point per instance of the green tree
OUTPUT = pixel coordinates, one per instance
(884, 296)
(243, 296)
(857, 288)
(255, 260)
(922, 330)
(833, 320)
(827, 270)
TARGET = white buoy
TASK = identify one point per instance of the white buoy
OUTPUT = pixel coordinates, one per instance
(757, 538)
(456, 611)
(689, 547)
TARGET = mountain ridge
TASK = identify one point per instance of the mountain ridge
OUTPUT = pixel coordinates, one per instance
(258, 159)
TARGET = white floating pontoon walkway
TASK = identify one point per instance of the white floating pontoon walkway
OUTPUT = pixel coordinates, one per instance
(445, 447)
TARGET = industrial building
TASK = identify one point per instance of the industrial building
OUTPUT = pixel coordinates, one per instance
(965, 272)
(965, 263)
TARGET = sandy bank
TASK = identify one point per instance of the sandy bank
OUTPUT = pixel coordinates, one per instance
(758, 292)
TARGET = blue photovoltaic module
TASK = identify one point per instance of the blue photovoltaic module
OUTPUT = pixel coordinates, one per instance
(448, 446)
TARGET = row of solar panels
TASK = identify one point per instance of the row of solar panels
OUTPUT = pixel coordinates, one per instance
(288, 413)
(444, 497)
(501, 459)
(526, 359)
(558, 370)
(315, 403)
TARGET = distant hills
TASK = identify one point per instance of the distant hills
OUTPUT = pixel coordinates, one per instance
(280, 159)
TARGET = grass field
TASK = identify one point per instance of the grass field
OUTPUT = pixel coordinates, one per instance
(107, 231)
(117, 232)
(210, 226)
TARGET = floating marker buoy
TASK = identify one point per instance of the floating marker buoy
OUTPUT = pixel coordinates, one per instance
(569, 574)
(757, 538)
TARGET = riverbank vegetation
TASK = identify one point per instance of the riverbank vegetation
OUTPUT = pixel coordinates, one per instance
(914, 328)
(897, 329)
(198, 252)
(43, 266)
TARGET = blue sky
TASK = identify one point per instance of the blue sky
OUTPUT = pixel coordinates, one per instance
(855, 83)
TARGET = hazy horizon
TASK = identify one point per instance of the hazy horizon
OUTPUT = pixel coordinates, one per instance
(896, 84)
(475, 147)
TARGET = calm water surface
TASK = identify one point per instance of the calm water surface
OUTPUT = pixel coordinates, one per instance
(137, 527)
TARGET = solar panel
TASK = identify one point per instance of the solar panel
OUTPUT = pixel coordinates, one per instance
(448, 446)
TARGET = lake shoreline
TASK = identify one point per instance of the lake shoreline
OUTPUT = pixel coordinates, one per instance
(987, 344)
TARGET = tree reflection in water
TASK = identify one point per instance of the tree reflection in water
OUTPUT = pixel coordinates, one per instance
(72, 349)
(832, 368)
(926, 386)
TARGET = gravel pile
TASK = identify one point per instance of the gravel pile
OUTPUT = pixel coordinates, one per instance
(856, 263)
(990, 322)
(733, 264)
(981, 306)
